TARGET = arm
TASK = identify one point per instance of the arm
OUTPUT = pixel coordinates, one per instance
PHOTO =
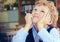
(20, 36)
(23, 32)
(53, 36)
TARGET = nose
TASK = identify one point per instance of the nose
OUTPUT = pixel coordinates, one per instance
(36, 12)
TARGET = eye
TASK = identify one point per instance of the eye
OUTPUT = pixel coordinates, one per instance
(35, 9)
(43, 11)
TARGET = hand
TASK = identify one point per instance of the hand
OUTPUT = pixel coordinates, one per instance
(45, 20)
(28, 21)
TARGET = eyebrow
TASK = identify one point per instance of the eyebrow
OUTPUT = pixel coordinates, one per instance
(34, 9)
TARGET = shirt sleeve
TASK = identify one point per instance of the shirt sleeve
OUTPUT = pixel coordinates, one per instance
(20, 36)
(53, 36)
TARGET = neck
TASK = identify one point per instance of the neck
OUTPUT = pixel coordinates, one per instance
(35, 25)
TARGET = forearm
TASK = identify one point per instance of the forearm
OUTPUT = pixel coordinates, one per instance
(27, 27)
(20, 36)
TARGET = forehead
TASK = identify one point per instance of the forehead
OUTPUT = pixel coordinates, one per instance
(41, 7)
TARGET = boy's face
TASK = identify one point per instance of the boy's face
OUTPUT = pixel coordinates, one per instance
(38, 13)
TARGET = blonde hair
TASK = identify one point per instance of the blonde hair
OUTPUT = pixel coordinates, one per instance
(52, 8)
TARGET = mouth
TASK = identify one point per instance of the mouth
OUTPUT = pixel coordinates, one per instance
(35, 16)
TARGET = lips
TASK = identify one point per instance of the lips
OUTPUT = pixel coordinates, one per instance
(36, 16)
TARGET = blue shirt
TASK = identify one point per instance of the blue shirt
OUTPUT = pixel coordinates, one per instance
(53, 36)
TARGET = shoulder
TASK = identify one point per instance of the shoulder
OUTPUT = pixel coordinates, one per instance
(54, 32)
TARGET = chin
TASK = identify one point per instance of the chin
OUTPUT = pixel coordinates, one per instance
(35, 21)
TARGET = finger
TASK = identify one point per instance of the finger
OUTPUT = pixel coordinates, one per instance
(44, 18)
(28, 17)
(27, 13)
(48, 16)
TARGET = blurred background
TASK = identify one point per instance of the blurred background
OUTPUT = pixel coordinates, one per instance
(12, 13)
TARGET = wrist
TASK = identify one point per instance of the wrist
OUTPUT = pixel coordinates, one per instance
(26, 28)
(40, 27)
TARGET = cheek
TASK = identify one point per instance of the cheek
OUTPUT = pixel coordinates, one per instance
(41, 16)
